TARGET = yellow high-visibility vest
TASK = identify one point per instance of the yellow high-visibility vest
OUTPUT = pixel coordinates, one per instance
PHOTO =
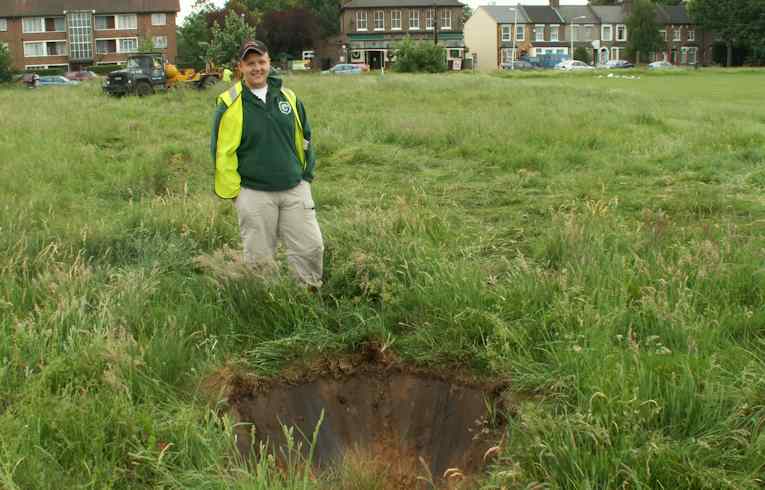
(227, 178)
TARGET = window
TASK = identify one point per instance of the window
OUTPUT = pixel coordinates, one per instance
(539, 32)
(395, 20)
(621, 32)
(663, 34)
(54, 24)
(129, 45)
(158, 19)
(56, 48)
(111, 46)
(80, 26)
(692, 53)
(575, 34)
(554, 30)
(160, 42)
(414, 20)
(127, 22)
(105, 22)
(691, 34)
(46, 67)
(606, 33)
(33, 24)
(34, 50)
(520, 32)
(429, 19)
(455, 54)
(379, 20)
(506, 32)
(616, 53)
(688, 55)
(106, 46)
(361, 20)
(446, 19)
(507, 55)
(677, 34)
(587, 33)
(3, 25)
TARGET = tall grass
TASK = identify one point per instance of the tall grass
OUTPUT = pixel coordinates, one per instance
(598, 241)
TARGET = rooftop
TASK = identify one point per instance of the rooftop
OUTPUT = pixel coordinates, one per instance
(19, 8)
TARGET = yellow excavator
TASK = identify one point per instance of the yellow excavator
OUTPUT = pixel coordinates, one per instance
(148, 72)
(201, 79)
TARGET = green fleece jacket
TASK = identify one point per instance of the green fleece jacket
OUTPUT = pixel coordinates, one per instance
(268, 159)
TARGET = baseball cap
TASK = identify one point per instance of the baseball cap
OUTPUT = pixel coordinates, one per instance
(251, 45)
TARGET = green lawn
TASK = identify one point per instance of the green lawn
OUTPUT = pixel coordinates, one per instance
(600, 241)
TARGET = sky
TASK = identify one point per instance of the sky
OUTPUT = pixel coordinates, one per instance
(186, 4)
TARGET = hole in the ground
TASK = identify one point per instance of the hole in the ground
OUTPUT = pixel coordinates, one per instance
(413, 423)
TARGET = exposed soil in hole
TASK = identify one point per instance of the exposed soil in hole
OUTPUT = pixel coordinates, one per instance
(413, 422)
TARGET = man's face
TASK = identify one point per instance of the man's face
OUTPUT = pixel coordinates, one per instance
(255, 68)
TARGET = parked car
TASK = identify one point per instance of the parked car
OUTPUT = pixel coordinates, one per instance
(364, 66)
(55, 80)
(611, 64)
(343, 69)
(573, 65)
(517, 65)
(660, 65)
(81, 75)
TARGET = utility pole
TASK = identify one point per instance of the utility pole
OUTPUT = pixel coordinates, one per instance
(435, 24)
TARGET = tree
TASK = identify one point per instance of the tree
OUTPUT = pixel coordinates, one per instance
(413, 56)
(194, 38)
(644, 36)
(265, 6)
(328, 13)
(146, 45)
(240, 7)
(730, 20)
(755, 30)
(5, 64)
(226, 41)
(289, 31)
(582, 54)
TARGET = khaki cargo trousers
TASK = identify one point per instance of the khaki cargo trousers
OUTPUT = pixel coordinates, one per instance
(266, 217)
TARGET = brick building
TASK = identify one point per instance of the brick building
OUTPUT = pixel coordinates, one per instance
(370, 29)
(72, 34)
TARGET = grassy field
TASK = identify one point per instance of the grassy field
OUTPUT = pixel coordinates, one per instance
(599, 241)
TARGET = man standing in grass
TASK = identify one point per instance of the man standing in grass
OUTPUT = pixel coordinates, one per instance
(264, 161)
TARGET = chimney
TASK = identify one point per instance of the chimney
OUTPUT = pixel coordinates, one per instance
(555, 4)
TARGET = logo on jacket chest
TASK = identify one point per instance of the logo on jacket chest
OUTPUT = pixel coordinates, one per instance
(284, 107)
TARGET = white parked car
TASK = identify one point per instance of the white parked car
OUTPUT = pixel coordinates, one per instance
(660, 65)
(573, 65)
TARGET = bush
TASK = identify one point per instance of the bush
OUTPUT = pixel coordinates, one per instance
(5, 64)
(104, 69)
(582, 54)
(423, 56)
(47, 71)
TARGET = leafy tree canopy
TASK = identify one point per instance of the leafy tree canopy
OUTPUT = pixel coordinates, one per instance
(644, 36)
(228, 39)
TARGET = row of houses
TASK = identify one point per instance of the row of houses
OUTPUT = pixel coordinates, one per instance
(70, 34)
(497, 35)
(75, 33)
